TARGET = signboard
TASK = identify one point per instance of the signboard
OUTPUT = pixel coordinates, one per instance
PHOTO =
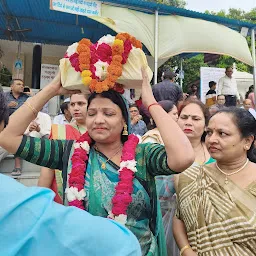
(18, 67)
(18, 64)
(48, 72)
(206, 75)
(78, 7)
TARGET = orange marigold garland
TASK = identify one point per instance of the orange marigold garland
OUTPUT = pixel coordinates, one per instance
(120, 50)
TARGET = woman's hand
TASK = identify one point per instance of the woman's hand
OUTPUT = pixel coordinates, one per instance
(146, 93)
(56, 87)
(189, 252)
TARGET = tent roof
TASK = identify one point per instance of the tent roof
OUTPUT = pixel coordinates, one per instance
(63, 28)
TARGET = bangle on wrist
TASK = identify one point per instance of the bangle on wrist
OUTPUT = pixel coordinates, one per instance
(184, 248)
(153, 104)
(35, 112)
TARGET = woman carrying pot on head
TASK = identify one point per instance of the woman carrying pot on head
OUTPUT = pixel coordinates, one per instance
(216, 203)
(72, 131)
(110, 174)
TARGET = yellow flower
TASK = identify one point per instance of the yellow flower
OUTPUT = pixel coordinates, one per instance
(118, 42)
(86, 73)
(86, 80)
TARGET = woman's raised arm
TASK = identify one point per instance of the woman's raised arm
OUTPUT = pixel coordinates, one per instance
(180, 154)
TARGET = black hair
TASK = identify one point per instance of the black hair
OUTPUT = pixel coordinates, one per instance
(116, 98)
(251, 89)
(63, 107)
(212, 83)
(167, 105)
(246, 124)
(4, 110)
(227, 68)
(16, 79)
(133, 106)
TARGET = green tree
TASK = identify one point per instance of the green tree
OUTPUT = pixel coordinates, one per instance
(192, 65)
(175, 3)
(5, 76)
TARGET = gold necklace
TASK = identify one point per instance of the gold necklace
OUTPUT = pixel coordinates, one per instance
(232, 173)
(103, 164)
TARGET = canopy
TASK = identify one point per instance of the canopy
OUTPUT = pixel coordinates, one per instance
(177, 34)
(180, 30)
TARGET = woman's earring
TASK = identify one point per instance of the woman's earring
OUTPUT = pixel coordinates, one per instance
(125, 132)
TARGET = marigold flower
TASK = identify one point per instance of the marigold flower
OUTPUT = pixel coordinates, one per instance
(118, 42)
(85, 41)
(84, 66)
(82, 48)
(86, 80)
(136, 43)
(121, 37)
(86, 73)
(117, 50)
(112, 78)
(115, 70)
(117, 58)
(93, 85)
(125, 35)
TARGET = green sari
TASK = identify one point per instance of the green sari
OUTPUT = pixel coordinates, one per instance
(144, 213)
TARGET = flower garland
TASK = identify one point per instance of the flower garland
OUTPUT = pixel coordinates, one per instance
(123, 190)
(101, 61)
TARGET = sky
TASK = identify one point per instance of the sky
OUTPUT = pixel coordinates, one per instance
(217, 5)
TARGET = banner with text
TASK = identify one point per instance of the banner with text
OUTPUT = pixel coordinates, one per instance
(79, 7)
(48, 72)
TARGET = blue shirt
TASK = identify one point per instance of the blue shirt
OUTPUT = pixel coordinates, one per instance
(139, 128)
(20, 100)
(32, 224)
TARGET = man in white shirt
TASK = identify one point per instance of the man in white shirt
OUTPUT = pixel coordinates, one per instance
(65, 117)
(40, 127)
(227, 86)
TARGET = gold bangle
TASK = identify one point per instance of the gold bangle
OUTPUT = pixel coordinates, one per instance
(35, 112)
(183, 249)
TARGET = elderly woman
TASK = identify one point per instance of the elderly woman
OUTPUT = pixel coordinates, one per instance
(110, 174)
(217, 202)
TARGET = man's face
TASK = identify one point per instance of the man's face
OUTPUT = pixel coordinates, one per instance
(194, 88)
(229, 72)
(214, 87)
(17, 87)
(221, 100)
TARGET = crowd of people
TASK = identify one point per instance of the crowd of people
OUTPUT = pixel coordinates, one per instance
(185, 186)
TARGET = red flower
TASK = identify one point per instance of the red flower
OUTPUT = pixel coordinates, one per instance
(93, 70)
(127, 49)
(124, 198)
(77, 203)
(75, 62)
(104, 53)
(125, 187)
(119, 88)
(119, 210)
(126, 174)
(93, 49)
